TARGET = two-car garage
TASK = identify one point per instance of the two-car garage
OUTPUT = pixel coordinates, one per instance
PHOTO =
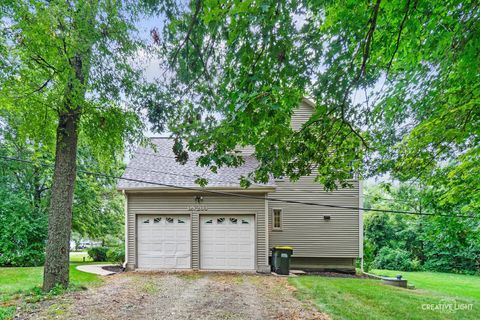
(226, 242)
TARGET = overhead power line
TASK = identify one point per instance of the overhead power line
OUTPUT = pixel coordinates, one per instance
(255, 184)
(158, 155)
(241, 195)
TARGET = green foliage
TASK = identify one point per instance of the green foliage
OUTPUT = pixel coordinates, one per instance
(451, 245)
(436, 243)
(116, 255)
(404, 71)
(25, 195)
(23, 222)
(7, 312)
(395, 259)
(98, 254)
(68, 65)
(368, 255)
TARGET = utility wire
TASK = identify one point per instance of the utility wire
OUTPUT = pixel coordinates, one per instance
(224, 193)
(256, 184)
(158, 155)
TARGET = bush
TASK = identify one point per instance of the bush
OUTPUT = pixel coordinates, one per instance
(116, 255)
(395, 259)
(23, 231)
(98, 254)
(368, 256)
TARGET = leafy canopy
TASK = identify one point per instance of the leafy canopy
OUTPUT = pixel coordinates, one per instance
(396, 86)
(61, 59)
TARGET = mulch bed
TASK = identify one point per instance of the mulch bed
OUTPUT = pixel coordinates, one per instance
(116, 269)
(338, 275)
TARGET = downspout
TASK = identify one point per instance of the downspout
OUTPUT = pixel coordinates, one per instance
(126, 228)
(360, 223)
(267, 240)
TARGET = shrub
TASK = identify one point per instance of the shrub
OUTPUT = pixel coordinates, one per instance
(395, 259)
(23, 230)
(368, 256)
(98, 253)
(116, 255)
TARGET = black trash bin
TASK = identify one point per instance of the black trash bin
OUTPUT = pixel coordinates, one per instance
(281, 259)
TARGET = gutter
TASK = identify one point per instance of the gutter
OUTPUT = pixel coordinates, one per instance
(124, 265)
(205, 190)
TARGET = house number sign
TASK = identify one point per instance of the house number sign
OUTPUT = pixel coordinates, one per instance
(197, 208)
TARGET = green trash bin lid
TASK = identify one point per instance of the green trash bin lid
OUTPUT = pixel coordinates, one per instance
(283, 247)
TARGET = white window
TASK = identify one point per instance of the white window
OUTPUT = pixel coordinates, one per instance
(277, 219)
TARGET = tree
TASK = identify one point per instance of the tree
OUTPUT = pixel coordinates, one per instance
(67, 63)
(434, 242)
(395, 85)
(23, 222)
(25, 194)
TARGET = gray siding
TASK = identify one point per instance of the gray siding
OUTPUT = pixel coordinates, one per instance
(303, 226)
(301, 115)
(324, 264)
(195, 240)
(177, 203)
(131, 236)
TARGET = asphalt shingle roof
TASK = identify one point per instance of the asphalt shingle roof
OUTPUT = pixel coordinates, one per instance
(160, 166)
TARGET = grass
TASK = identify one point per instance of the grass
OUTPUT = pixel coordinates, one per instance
(465, 286)
(17, 284)
(190, 276)
(78, 256)
(353, 298)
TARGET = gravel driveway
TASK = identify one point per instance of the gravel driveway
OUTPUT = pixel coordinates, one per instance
(179, 296)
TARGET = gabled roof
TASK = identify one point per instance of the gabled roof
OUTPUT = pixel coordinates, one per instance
(160, 166)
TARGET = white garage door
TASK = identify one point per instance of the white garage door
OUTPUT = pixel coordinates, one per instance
(163, 242)
(227, 242)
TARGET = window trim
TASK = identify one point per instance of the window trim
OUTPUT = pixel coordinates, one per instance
(273, 219)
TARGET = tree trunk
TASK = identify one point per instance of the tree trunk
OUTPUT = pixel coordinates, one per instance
(60, 213)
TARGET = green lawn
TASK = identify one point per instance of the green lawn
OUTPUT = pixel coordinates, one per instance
(465, 286)
(78, 256)
(352, 298)
(16, 283)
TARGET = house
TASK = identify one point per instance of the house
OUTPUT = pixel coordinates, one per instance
(175, 224)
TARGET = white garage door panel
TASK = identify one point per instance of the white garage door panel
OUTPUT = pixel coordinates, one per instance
(163, 242)
(227, 242)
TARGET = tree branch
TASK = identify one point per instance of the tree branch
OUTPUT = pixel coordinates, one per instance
(42, 62)
(193, 22)
(402, 25)
(373, 25)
